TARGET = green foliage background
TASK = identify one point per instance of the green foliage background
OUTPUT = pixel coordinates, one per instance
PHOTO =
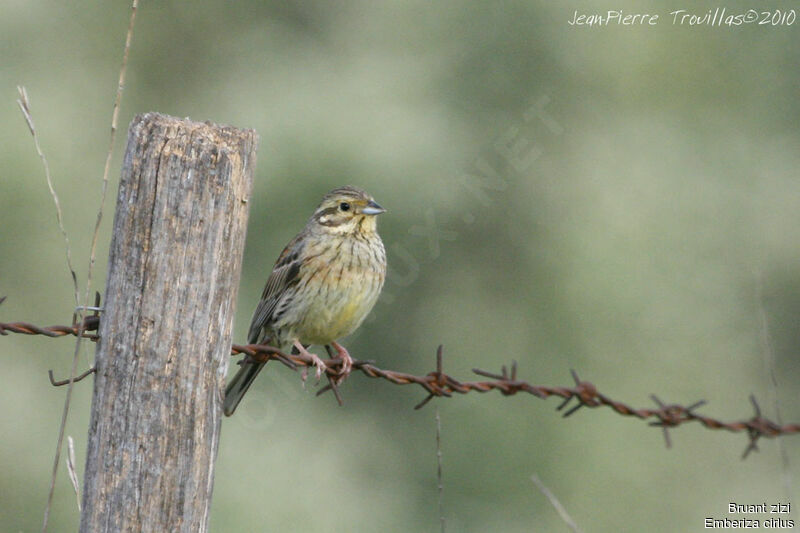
(628, 241)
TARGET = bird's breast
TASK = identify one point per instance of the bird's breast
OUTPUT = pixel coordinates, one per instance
(341, 287)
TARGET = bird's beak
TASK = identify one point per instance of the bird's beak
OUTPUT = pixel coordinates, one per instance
(373, 208)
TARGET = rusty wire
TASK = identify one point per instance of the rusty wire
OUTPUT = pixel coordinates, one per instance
(438, 384)
(90, 324)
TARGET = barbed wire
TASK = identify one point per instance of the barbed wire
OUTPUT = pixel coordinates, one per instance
(438, 384)
(89, 324)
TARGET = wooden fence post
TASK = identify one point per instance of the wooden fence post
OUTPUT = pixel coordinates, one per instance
(165, 334)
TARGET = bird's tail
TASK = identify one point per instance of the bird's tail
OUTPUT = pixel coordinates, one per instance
(239, 384)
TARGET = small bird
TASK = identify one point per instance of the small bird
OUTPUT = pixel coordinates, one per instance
(322, 287)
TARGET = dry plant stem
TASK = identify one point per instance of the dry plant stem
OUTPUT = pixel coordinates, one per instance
(73, 476)
(562, 512)
(25, 107)
(74, 368)
(440, 485)
(769, 360)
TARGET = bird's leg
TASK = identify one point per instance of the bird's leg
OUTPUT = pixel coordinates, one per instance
(319, 363)
(347, 362)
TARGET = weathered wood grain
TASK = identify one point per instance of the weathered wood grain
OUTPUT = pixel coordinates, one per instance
(174, 265)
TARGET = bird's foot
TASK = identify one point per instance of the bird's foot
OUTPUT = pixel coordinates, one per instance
(316, 361)
(347, 362)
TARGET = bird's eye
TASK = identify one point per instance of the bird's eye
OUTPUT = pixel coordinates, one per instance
(344, 206)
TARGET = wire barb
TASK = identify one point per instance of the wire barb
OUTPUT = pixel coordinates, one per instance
(672, 416)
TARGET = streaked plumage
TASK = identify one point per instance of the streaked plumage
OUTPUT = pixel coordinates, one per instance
(323, 285)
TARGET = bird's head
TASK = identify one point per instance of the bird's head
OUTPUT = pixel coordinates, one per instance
(347, 210)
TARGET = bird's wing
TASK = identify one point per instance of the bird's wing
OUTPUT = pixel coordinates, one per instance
(284, 275)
